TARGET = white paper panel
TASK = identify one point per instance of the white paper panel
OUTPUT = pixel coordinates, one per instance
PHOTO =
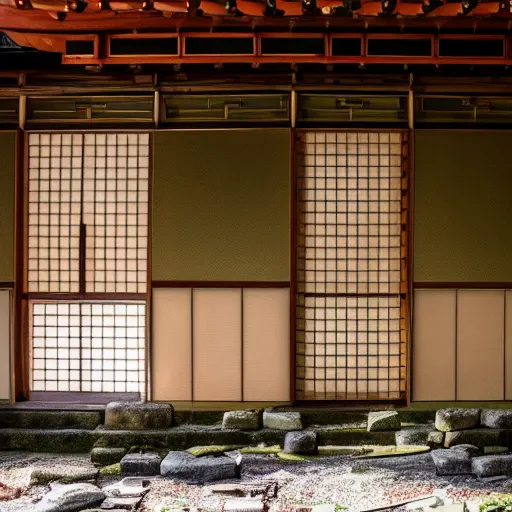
(217, 344)
(266, 345)
(480, 345)
(433, 373)
(172, 344)
(5, 357)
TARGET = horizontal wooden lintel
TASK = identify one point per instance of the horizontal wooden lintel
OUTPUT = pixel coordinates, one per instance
(221, 284)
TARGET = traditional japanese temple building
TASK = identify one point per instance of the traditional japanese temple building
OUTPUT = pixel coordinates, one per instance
(277, 202)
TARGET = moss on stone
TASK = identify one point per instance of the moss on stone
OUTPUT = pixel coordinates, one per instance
(293, 457)
(393, 451)
(263, 450)
(199, 451)
(341, 450)
(112, 470)
(41, 477)
(353, 437)
(48, 441)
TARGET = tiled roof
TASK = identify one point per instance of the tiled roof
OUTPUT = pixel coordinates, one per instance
(405, 9)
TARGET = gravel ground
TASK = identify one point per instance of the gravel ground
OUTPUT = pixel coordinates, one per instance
(355, 484)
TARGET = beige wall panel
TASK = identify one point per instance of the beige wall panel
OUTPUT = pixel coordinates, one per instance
(508, 345)
(217, 353)
(172, 344)
(221, 205)
(433, 365)
(266, 346)
(462, 207)
(7, 159)
(5, 342)
(480, 344)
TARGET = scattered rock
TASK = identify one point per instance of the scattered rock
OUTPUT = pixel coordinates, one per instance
(301, 442)
(138, 416)
(379, 421)
(414, 435)
(477, 437)
(107, 456)
(496, 418)
(469, 449)
(71, 498)
(128, 487)
(112, 470)
(282, 420)
(452, 507)
(141, 464)
(452, 462)
(244, 505)
(8, 493)
(495, 450)
(433, 501)
(235, 489)
(492, 465)
(241, 420)
(184, 466)
(449, 420)
(122, 503)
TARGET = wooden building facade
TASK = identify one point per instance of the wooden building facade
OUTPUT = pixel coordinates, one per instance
(278, 202)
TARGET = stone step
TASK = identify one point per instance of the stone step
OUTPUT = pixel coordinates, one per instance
(49, 441)
(35, 419)
(332, 435)
(176, 438)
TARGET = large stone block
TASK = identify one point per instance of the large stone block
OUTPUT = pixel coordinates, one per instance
(469, 449)
(282, 420)
(478, 437)
(379, 421)
(419, 435)
(492, 465)
(493, 418)
(107, 456)
(71, 498)
(449, 420)
(451, 462)
(241, 420)
(138, 416)
(146, 464)
(301, 442)
(186, 467)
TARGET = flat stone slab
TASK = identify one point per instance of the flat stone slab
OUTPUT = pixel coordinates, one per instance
(449, 420)
(121, 503)
(492, 465)
(379, 421)
(495, 450)
(452, 462)
(282, 420)
(301, 442)
(107, 456)
(146, 464)
(495, 418)
(138, 416)
(242, 420)
(479, 437)
(71, 498)
(186, 467)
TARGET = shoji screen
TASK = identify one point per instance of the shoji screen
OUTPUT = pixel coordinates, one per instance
(351, 266)
(87, 260)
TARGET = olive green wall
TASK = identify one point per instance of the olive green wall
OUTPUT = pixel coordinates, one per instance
(463, 206)
(221, 205)
(7, 156)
